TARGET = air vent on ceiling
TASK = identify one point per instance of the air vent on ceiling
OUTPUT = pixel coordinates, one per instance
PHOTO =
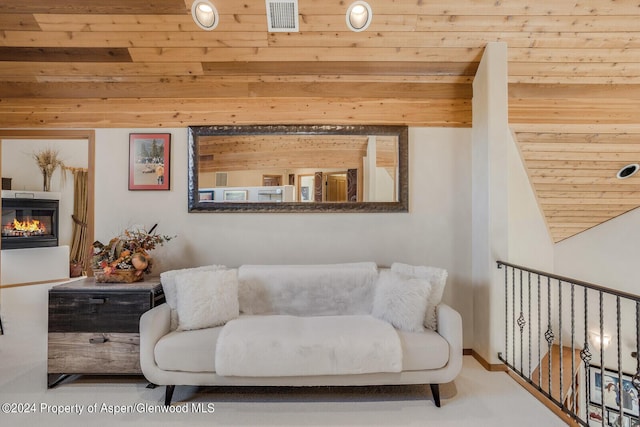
(282, 15)
(221, 179)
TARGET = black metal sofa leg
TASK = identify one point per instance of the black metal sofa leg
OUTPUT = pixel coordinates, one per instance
(168, 394)
(435, 391)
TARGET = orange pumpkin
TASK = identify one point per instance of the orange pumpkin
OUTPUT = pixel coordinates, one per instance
(139, 261)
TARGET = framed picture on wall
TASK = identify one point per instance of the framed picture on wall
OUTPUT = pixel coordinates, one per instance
(206, 195)
(611, 419)
(149, 161)
(235, 195)
(613, 393)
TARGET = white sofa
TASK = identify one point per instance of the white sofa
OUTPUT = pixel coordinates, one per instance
(314, 325)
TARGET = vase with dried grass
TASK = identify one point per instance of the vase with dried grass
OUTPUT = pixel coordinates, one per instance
(48, 161)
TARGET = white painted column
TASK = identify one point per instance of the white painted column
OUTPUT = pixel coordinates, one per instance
(370, 164)
(489, 199)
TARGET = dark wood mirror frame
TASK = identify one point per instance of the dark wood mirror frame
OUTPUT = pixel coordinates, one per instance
(401, 205)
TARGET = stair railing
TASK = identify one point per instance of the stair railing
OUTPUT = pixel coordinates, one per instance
(576, 343)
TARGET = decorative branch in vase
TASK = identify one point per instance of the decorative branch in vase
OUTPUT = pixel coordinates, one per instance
(48, 161)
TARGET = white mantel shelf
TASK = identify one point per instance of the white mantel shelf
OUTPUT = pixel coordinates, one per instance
(39, 195)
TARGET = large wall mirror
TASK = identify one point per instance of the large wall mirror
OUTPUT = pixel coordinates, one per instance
(298, 168)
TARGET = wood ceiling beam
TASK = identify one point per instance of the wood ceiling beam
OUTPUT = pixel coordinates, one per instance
(298, 54)
(220, 89)
(436, 23)
(94, 6)
(18, 22)
(379, 68)
(575, 111)
(314, 7)
(562, 91)
(180, 112)
(96, 71)
(55, 54)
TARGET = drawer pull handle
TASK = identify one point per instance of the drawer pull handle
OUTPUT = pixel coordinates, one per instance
(96, 300)
(98, 340)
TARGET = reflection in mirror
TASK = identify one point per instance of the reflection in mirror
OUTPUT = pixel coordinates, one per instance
(298, 168)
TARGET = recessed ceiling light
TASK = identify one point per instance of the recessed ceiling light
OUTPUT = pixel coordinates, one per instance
(628, 171)
(204, 14)
(359, 16)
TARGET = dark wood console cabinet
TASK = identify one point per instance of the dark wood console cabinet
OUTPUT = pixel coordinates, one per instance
(94, 327)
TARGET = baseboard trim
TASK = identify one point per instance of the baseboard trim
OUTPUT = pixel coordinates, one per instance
(495, 367)
(467, 352)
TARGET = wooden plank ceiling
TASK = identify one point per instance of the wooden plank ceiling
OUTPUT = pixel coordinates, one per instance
(259, 152)
(574, 77)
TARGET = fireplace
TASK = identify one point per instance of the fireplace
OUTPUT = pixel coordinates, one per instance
(29, 222)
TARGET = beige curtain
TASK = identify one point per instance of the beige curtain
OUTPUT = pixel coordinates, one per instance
(79, 246)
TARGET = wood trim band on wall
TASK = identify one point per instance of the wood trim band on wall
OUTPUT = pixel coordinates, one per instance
(44, 282)
(499, 367)
(491, 367)
(544, 400)
(90, 136)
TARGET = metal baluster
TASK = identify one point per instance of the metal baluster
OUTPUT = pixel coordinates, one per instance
(620, 383)
(506, 315)
(521, 324)
(513, 314)
(602, 362)
(573, 350)
(585, 354)
(560, 348)
(538, 334)
(549, 334)
(529, 316)
(636, 377)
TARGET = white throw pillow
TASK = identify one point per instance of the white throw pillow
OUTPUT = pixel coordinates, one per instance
(438, 279)
(206, 299)
(401, 300)
(168, 280)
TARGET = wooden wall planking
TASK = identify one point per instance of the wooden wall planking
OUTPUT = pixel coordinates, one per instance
(160, 112)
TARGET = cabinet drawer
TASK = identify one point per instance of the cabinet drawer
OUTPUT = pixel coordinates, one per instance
(91, 353)
(97, 312)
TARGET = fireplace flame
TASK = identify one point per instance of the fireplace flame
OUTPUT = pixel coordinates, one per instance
(29, 227)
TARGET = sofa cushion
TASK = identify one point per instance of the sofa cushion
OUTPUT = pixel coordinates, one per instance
(423, 350)
(188, 351)
(206, 298)
(438, 279)
(401, 300)
(168, 280)
(193, 351)
(282, 345)
(307, 290)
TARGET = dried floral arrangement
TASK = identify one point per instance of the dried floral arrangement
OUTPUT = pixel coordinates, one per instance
(48, 161)
(129, 251)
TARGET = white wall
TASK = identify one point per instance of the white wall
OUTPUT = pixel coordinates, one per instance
(436, 231)
(607, 255)
(18, 163)
(530, 244)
